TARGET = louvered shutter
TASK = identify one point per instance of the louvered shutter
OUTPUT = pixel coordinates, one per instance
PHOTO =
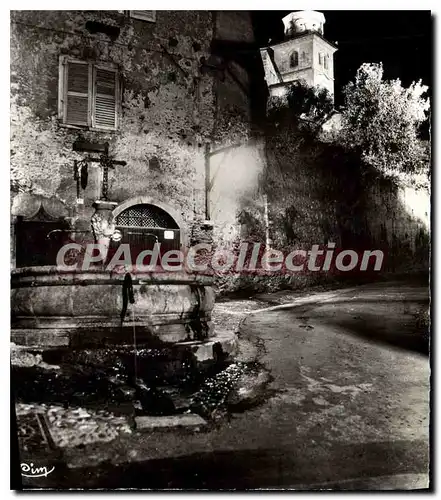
(77, 94)
(104, 113)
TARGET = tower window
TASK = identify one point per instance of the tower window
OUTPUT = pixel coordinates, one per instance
(326, 61)
(321, 58)
(294, 59)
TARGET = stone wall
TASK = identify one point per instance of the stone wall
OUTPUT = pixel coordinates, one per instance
(323, 77)
(236, 183)
(318, 193)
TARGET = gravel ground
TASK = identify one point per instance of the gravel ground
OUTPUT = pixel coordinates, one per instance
(228, 315)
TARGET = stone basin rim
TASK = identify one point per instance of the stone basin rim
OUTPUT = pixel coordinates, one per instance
(56, 274)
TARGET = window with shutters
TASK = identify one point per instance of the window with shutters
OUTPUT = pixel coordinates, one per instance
(144, 15)
(89, 94)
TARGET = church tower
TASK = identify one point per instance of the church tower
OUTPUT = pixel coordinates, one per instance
(304, 54)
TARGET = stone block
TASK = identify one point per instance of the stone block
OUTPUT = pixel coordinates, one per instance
(227, 343)
(40, 338)
(249, 389)
(186, 420)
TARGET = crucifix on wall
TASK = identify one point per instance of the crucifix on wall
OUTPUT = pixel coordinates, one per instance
(105, 161)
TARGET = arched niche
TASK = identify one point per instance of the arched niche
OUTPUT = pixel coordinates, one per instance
(28, 205)
(294, 59)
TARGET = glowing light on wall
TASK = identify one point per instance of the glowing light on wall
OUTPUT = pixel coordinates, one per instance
(417, 204)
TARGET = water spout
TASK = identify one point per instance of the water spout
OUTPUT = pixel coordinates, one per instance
(128, 296)
(48, 236)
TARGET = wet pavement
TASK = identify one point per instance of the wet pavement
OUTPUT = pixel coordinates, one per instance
(348, 406)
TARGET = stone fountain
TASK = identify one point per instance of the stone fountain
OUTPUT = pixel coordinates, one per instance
(151, 330)
(53, 306)
(57, 306)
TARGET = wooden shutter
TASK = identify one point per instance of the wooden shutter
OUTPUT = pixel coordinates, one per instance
(105, 102)
(77, 94)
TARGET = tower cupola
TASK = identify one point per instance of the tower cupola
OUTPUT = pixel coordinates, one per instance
(303, 21)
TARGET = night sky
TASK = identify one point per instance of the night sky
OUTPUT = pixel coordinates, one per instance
(402, 40)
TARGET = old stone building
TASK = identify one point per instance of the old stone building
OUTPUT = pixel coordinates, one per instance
(146, 88)
(135, 121)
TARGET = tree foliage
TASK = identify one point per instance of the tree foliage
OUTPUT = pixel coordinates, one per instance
(304, 108)
(381, 121)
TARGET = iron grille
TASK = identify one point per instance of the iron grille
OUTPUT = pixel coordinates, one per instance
(145, 216)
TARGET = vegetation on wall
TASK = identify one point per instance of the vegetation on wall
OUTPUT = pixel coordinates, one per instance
(304, 107)
(300, 179)
(381, 122)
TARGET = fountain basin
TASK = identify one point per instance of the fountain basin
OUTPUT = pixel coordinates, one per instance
(52, 307)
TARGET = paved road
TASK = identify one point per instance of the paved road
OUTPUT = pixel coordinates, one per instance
(352, 382)
(349, 407)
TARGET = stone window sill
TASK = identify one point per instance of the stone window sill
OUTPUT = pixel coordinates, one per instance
(85, 127)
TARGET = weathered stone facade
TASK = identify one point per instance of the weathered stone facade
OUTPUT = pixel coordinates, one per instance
(181, 102)
(178, 101)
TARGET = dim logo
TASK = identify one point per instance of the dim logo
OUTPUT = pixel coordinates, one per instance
(31, 471)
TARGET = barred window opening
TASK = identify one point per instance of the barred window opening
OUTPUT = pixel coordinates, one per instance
(147, 216)
(142, 226)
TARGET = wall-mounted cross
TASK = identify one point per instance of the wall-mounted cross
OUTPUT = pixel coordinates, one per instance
(104, 160)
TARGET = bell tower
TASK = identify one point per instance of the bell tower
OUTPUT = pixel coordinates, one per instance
(304, 54)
